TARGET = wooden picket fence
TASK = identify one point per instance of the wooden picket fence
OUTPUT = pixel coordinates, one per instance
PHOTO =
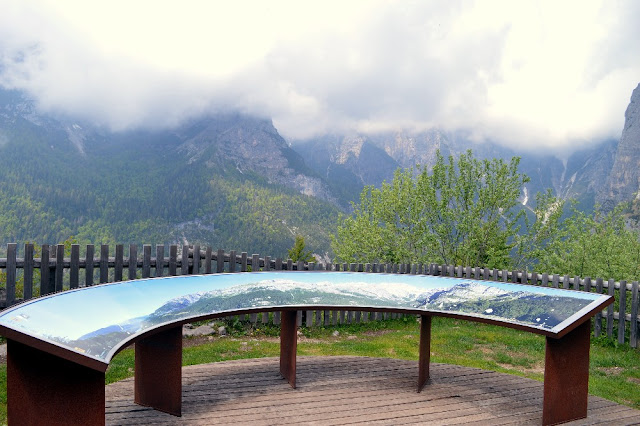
(54, 270)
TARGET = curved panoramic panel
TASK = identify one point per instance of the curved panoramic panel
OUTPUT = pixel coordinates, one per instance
(97, 321)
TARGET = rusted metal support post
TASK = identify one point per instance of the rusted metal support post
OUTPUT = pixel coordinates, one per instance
(425, 351)
(288, 346)
(158, 374)
(566, 376)
(43, 389)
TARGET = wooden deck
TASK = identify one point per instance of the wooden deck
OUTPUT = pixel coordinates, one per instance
(350, 390)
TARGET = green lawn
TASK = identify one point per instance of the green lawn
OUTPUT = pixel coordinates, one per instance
(614, 370)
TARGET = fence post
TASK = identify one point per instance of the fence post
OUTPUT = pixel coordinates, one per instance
(28, 271)
(59, 267)
(104, 263)
(576, 283)
(11, 273)
(133, 261)
(232, 261)
(610, 291)
(184, 264)
(45, 272)
(196, 260)
(220, 261)
(118, 262)
(633, 335)
(597, 326)
(146, 261)
(88, 266)
(243, 262)
(622, 311)
(159, 260)
(207, 259)
(74, 264)
(545, 280)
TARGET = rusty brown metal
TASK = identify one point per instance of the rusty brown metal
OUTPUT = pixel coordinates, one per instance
(158, 373)
(425, 351)
(51, 348)
(566, 376)
(288, 346)
(44, 389)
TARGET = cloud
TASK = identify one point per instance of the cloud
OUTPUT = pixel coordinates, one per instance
(550, 74)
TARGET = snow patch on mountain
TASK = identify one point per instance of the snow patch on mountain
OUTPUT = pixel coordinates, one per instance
(182, 301)
(390, 291)
(460, 293)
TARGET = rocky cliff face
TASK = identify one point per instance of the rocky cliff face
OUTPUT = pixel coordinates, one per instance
(410, 149)
(349, 163)
(624, 179)
(249, 145)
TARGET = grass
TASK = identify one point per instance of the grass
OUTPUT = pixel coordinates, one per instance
(614, 369)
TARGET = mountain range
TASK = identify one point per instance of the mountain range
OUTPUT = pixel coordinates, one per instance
(231, 181)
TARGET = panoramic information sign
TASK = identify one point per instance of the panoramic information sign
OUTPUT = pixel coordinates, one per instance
(97, 321)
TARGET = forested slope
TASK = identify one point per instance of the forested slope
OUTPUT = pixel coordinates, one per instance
(60, 179)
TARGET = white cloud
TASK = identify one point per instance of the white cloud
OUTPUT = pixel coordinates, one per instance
(553, 74)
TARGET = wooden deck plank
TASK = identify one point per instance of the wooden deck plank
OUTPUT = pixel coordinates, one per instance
(340, 394)
(350, 390)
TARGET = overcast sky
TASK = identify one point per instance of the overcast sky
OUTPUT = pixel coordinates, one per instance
(556, 74)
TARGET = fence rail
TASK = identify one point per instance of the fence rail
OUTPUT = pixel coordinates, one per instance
(59, 268)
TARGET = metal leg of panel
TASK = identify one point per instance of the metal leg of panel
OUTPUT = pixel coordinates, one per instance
(425, 351)
(45, 389)
(288, 346)
(566, 376)
(158, 373)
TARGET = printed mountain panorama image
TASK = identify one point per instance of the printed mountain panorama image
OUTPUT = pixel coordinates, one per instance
(496, 301)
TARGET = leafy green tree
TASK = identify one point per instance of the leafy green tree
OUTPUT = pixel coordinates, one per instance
(595, 245)
(465, 212)
(539, 231)
(462, 211)
(297, 252)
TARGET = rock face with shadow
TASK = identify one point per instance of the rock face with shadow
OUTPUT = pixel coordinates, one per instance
(624, 180)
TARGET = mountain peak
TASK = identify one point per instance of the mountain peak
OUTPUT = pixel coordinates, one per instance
(624, 180)
(249, 145)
